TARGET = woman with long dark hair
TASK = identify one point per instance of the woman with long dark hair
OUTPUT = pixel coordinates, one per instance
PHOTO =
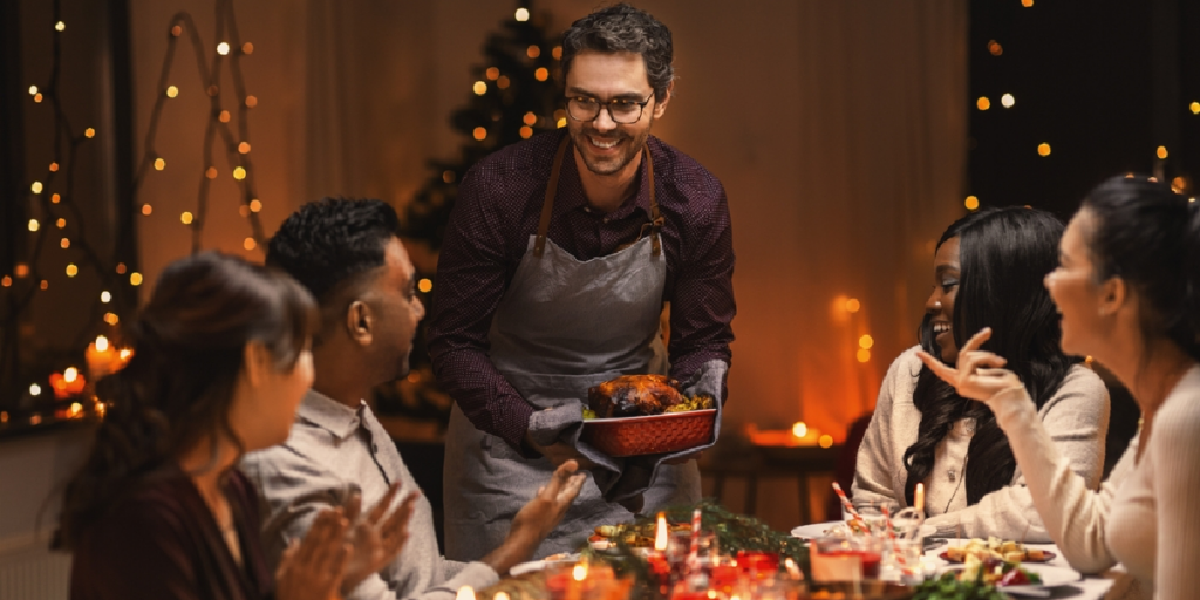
(988, 271)
(159, 509)
(1128, 288)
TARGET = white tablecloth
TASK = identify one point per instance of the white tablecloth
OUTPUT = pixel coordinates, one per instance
(1091, 587)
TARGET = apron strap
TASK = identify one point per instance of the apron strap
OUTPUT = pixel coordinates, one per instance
(548, 205)
(656, 219)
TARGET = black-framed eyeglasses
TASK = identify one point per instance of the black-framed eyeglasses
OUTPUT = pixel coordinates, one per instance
(621, 110)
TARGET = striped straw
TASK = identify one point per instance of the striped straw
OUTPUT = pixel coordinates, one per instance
(891, 536)
(849, 507)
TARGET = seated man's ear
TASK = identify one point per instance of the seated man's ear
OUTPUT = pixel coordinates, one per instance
(360, 322)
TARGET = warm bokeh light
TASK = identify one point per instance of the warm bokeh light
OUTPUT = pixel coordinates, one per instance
(64, 243)
(492, 73)
(1008, 100)
(562, 122)
(1043, 149)
(1027, 3)
(186, 218)
(59, 26)
(211, 172)
(425, 286)
(36, 187)
(866, 342)
(255, 205)
(863, 355)
(6, 281)
(541, 74)
(1162, 152)
(45, 285)
(479, 133)
(972, 203)
(239, 173)
(34, 225)
(852, 305)
(244, 148)
(529, 118)
(147, 209)
(1195, 108)
(522, 14)
(983, 103)
(799, 429)
(526, 132)
(224, 116)
(53, 167)
(101, 343)
(105, 297)
(502, 82)
(172, 91)
(22, 270)
(72, 270)
(55, 198)
(223, 48)
(111, 318)
(249, 244)
(70, 374)
(33, 90)
(826, 441)
(159, 164)
(480, 88)
(447, 176)
(135, 279)
(35, 389)
(89, 132)
(251, 101)
(533, 52)
(556, 52)
(120, 268)
(995, 48)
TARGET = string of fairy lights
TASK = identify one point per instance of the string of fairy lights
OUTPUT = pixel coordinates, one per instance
(236, 144)
(58, 221)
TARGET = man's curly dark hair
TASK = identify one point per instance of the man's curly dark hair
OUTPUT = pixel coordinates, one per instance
(331, 241)
(623, 28)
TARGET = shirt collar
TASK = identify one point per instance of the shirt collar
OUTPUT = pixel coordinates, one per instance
(570, 188)
(322, 411)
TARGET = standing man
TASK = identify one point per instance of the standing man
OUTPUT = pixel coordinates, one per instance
(558, 258)
(347, 255)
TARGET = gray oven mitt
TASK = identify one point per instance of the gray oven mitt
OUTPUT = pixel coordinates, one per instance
(623, 479)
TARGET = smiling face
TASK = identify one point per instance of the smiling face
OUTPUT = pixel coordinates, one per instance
(1073, 288)
(602, 145)
(940, 305)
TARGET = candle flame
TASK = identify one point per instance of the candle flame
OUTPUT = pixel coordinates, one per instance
(799, 429)
(101, 344)
(660, 533)
(465, 593)
(500, 596)
(126, 354)
(70, 374)
(919, 497)
(579, 573)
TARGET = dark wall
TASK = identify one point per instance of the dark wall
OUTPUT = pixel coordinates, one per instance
(1102, 82)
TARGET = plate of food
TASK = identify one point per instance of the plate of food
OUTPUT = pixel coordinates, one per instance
(634, 536)
(1015, 578)
(637, 415)
(994, 548)
(540, 565)
(816, 530)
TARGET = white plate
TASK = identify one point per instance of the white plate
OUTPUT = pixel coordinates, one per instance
(539, 565)
(817, 530)
(1051, 577)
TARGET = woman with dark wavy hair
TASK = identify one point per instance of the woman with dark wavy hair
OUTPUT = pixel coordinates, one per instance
(988, 271)
(1128, 288)
(159, 510)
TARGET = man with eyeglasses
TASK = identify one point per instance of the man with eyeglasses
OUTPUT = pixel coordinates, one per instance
(560, 254)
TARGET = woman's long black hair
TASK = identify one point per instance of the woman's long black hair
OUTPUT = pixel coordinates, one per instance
(1005, 253)
(189, 344)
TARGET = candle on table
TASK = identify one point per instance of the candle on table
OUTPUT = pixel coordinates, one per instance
(100, 356)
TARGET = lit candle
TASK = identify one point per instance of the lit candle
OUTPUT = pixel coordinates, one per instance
(465, 592)
(69, 383)
(100, 357)
(919, 498)
(660, 533)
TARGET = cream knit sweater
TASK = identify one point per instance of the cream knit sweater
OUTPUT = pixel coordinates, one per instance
(1077, 416)
(1147, 514)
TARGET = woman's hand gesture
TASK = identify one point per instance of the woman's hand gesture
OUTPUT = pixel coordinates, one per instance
(980, 374)
(312, 568)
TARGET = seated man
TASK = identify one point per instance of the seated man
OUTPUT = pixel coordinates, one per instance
(347, 254)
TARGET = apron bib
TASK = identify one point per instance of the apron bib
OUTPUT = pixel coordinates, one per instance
(563, 325)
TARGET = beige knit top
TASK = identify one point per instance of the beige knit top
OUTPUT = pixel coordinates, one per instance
(1077, 416)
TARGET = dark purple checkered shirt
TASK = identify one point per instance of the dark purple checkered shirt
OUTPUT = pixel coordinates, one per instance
(499, 203)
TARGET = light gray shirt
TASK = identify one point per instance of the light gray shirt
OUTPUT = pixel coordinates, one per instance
(331, 450)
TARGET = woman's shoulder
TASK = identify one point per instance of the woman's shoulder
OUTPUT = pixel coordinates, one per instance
(906, 367)
(1083, 382)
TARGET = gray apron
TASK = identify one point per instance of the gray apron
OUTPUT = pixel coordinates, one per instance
(563, 325)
